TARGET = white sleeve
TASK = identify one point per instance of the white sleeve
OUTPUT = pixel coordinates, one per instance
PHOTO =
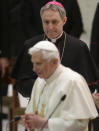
(58, 124)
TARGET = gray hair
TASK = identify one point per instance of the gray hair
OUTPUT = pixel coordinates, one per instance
(47, 53)
(62, 11)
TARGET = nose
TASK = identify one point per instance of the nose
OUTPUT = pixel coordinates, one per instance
(50, 26)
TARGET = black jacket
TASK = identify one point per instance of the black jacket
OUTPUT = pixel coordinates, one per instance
(76, 56)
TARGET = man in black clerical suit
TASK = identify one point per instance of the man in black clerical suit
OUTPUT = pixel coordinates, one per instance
(73, 52)
(31, 21)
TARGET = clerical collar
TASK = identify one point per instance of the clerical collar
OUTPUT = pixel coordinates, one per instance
(54, 40)
(62, 38)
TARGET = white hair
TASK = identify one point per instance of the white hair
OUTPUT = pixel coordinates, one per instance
(49, 50)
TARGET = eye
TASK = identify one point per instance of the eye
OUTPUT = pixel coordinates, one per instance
(46, 22)
(54, 22)
(38, 63)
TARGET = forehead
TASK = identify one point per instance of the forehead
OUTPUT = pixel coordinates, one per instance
(37, 56)
(51, 14)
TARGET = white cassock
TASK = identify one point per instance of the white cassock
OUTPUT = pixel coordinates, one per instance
(74, 112)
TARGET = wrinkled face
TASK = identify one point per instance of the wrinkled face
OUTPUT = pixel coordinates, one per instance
(41, 66)
(52, 23)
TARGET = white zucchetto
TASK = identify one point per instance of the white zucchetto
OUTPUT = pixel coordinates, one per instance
(45, 45)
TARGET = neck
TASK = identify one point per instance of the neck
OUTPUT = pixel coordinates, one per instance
(55, 39)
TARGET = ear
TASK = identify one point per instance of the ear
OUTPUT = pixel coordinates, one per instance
(55, 61)
(64, 20)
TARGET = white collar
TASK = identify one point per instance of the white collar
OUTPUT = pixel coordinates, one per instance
(54, 40)
(55, 74)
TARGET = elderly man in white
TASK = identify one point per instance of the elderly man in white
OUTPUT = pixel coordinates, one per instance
(54, 80)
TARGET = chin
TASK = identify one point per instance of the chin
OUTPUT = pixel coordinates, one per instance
(40, 76)
(52, 36)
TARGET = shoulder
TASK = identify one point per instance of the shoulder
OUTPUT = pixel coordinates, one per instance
(70, 79)
(33, 40)
(70, 75)
(75, 43)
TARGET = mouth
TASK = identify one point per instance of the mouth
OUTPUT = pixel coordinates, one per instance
(52, 33)
(39, 74)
